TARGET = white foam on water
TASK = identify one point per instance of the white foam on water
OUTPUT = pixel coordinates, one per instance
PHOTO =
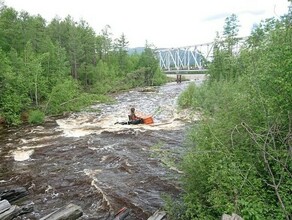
(162, 105)
(85, 124)
(24, 152)
(22, 155)
(91, 173)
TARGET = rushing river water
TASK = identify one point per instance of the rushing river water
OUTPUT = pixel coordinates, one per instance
(87, 160)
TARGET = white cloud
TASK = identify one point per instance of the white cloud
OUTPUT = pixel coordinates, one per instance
(164, 23)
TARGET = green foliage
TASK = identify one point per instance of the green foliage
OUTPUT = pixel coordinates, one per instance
(36, 117)
(63, 97)
(39, 59)
(150, 63)
(174, 207)
(231, 26)
(239, 158)
(187, 98)
(120, 46)
(12, 106)
(159, 78)
(136, 78)
(13, 99)
(10, 29)
(226, 66)
(66, 96)
(33, 74)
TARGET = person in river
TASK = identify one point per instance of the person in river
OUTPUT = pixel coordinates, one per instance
(133, 119)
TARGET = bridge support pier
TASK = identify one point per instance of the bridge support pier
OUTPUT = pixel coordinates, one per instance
(178, 78)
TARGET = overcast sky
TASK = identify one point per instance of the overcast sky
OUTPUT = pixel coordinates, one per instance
(163, 23)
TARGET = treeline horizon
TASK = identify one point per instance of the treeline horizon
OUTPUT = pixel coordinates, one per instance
(63, 65)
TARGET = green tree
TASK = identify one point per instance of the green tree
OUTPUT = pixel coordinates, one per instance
(89, 61)
(55, 64)
(231, 27)
(75, 49)
(121, 46)
(225, 64)
(13, 99)
(10, 36)
(105, 42)
(150, 64)
(33, 74)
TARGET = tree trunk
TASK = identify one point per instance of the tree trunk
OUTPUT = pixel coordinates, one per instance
(36, 89)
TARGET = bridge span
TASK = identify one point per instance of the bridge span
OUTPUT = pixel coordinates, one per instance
(190, 59)
(185, 59)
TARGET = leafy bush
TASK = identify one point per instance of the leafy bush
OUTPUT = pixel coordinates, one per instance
(135, 78)
(159, 78)
(174, 207)
(11, 106)
(187, 98)
(36, 117)
(66, 96)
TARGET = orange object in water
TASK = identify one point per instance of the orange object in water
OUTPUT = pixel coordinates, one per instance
(147, 120)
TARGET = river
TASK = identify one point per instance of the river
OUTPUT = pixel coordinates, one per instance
(87, 159)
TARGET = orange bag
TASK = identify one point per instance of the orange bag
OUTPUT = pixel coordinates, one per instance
(147, 120)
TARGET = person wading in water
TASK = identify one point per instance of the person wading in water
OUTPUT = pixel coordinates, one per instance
(133, 119)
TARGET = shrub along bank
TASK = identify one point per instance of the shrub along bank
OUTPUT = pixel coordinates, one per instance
(239, 157)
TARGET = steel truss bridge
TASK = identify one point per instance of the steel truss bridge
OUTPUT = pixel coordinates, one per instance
(190, 58)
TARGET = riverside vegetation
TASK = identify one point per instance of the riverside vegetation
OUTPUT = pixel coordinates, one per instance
(239, 156)
(60, 66)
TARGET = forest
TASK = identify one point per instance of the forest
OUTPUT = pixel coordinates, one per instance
(239, 157)
(48, 68)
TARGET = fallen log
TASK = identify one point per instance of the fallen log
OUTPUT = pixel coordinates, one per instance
(158, 215)
(12, 195)
(11, 213)
(4, 206)
(70, 212)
